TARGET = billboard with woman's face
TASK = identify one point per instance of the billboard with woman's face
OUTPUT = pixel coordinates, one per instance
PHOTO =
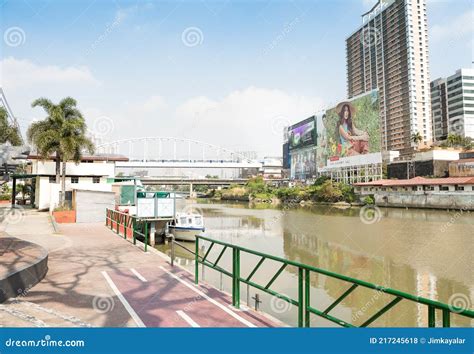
(349, 131)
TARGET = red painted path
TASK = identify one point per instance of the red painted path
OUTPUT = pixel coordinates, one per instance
(167, 297)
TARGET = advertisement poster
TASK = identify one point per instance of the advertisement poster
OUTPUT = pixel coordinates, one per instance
(303, 163)
(349, 134)
(303, 134)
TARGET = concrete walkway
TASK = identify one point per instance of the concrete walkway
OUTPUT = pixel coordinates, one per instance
(98, 279)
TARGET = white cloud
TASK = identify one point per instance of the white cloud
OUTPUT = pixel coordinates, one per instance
(457, 27)
(154, 103)
(196, 106)
(20, 74)
(249, 119)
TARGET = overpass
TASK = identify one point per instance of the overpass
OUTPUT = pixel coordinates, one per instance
(150, 181)
(171, 163)
(221, 182)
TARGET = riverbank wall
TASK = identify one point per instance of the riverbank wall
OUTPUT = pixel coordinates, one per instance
(459, 201)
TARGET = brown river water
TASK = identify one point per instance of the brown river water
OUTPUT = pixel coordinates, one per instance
(428, 253)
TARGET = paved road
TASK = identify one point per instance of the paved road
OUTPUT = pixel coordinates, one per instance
(96, 278)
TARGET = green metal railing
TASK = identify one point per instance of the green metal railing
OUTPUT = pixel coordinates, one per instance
(127, 225)
(305, 308)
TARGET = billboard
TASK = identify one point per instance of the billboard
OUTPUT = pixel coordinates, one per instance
(349, 134)
(302, 134)
(303, 163)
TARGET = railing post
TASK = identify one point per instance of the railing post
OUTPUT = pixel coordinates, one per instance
(446, 318)
(117, 219)
(134, 225)
(307, 296)
(146, 235)
(125, 222)
(431, 316)
(301, 303)
(172, 250)
(236, 277)
(196, 262)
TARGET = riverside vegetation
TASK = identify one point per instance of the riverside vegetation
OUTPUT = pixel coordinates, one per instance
(323, 190)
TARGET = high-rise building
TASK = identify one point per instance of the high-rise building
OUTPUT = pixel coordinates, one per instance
(460, 90)
(452, 104)
(389, 52)
(439, 109)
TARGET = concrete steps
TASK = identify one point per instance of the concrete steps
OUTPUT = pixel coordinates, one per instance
(21, 313)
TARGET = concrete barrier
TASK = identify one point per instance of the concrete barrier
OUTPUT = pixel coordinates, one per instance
(24, 264)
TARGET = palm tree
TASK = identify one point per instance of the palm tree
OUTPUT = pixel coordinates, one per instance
(25, 191)
(416, 138)
(8, 132)
(62, 133)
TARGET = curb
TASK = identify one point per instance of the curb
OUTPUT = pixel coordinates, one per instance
(21, 280)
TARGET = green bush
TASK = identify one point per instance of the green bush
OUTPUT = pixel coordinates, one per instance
(330, 192)
(369, 200)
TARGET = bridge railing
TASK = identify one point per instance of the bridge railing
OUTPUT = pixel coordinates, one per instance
(302, 301)
(126, 225)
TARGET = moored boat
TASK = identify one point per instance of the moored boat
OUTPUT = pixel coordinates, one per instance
(186, 226)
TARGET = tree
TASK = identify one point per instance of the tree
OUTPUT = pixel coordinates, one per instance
(62, 133)
(24, 190)
(455, 140)
(416, 138)
(256, 185)
(8, 132)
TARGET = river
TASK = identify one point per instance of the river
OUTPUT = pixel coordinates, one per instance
(426, 253)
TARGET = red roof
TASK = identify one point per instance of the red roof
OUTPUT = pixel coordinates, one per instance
(418, 181)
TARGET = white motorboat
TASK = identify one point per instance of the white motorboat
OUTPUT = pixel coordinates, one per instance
(186, 226)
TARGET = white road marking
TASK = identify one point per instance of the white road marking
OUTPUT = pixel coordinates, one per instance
(138, 275)
(187, 319)
(124, 302)
(218, 304)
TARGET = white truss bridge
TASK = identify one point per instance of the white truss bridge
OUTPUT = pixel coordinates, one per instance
(179, 153)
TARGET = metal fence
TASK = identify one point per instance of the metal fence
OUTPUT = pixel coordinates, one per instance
(127, 225)
(302, 302)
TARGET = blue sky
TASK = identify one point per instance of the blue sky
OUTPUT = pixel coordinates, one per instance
(255, 65)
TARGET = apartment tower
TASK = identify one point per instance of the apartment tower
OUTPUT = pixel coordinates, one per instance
(389, 52)
(460, 91)
(439, 109)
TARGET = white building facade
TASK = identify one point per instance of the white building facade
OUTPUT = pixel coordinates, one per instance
(90, 174)
(460, 89)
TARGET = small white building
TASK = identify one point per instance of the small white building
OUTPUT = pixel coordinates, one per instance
(272, 168)
(90, 174)
(420, 192)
